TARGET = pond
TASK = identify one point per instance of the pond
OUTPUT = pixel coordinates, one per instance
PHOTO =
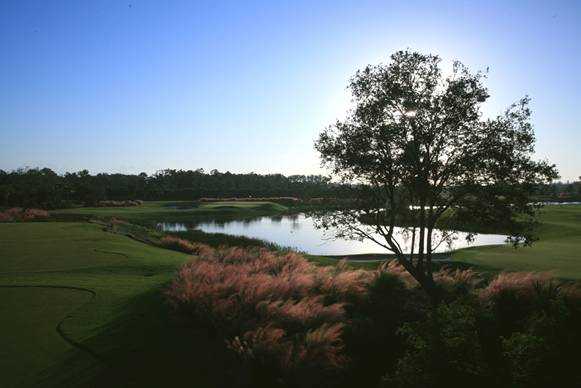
(299, 232)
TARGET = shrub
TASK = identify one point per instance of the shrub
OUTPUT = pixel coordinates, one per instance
(5, 217)
(371, 338)
(14, 212)
(114, 221)
(521, 283)
(458, 280)
(275, 310)
(532, 324)
(395, 268)
(181, 245)
(306, 360)
(443, 350)
(535, 321)
(126, 203)
(292, 323)
(448, 278)
(526, 355)
(512, 297)
(19, 214)
(32, 214)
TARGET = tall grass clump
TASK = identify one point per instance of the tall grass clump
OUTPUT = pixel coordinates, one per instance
(181, 245)
(290, 323)
(277, 311)
(519, 330)
(5, 217)
(536, 320)
(19, 214)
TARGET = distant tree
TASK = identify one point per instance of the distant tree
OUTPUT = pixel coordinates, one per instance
(44, 188)
(418, 146)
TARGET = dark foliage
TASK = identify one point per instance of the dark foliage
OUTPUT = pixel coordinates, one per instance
(417, 143)
(520, 331)
(293, 324)
(46, 189)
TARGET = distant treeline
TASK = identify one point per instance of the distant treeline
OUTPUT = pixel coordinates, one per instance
(561, 191)
(44, 188)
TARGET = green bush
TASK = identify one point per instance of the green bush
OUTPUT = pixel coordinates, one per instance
(443, 350)
(521, 331)
(291, 323)
(371, 340)
(526, 355)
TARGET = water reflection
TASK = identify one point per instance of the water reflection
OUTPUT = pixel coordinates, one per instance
(299, 231)
(172, 227)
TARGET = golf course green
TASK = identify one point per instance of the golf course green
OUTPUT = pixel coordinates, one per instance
(157, 211)
(558, 249)
(62, 286)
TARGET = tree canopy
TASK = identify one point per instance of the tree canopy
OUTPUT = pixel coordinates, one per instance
(425, 157)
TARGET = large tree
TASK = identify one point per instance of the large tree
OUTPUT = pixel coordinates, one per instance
(416, 146)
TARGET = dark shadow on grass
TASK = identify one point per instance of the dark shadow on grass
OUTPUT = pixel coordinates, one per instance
(148, 347)
(59, 327)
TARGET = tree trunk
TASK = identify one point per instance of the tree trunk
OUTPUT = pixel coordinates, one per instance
(425, 280)
(431, 288)
(429, 269)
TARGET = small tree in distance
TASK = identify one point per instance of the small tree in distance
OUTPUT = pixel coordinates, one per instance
(422, 156)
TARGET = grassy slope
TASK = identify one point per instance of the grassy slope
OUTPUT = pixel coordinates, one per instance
(152, 212)
(30, 342)
(126, 323)
(125, 275)
(156, 211)
(558, 249)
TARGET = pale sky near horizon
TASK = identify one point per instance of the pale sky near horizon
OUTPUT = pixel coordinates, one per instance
(131, 86)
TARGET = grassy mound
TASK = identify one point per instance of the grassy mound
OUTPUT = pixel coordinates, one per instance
(30, 342)
(152, 212)
(332, 326)
(558, 249)
(117, 269)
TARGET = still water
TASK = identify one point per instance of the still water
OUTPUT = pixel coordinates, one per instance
(299, 232)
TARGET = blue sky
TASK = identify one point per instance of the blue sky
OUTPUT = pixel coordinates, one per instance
(131, 86)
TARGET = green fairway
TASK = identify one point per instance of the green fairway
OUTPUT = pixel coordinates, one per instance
(243, 205)
(558, 249)
(82, 256)
(82, 305)
(30, 342)
(176, 211)
(148, 215)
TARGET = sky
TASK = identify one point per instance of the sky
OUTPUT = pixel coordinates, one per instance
(241, 86)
